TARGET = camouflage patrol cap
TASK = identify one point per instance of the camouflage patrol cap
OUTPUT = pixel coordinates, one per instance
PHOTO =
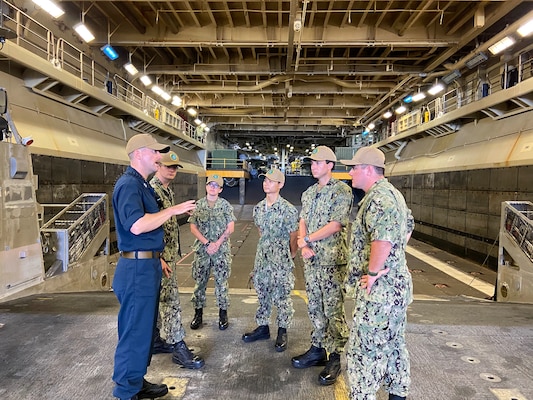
(322, 153)
(170, 159)
(215, 178)
(367, 156)
(275, 175)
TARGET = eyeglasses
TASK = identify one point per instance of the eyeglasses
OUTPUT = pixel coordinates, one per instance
(214, 185)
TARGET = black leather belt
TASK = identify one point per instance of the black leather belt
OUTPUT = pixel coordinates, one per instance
(139, 255)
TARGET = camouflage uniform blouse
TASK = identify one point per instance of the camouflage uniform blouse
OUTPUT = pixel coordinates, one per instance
(165, 199)
(332, 203)
(383, 215)
(275, 224)
(212, 222)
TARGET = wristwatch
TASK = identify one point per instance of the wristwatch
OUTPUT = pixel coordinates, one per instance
(307, 240)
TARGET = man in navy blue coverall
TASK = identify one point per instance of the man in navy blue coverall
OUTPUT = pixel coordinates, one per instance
(137, 277)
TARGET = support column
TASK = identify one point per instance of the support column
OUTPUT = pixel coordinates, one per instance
(242, 190)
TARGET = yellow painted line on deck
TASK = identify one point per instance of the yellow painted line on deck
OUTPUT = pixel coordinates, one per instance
(461, 276)
(302, 295)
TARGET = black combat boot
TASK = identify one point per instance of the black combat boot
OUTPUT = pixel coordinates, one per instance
(197, 320)
(260, 333)
(395, 397)
(184, 357)
(329, 375)
(281, 340)
(160, 346)
(222, 319)
(151, 391)
(312, 357)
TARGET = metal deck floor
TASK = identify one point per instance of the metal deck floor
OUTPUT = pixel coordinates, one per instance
(61, 346)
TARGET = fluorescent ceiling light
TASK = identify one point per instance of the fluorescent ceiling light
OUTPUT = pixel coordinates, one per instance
(197, 121)
(176, 101)
(371, 126)
(206, 129)
(501, 45)
(387, 115)
(526, 29)
(419, 96)
(436, 89)
(84, 32)
(131, 69)
(109, 51)
(192, 112)
(157, 90)
(479, 58)
(166, 96)
(400, 110)
(451, 76)
(145, 79)
(50, 7)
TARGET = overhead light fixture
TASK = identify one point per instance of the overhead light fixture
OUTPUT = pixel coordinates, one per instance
(160, 92)
(447, 79)
(109, 51)
(157, 90)
(197, 121)
(50, 7)
(501, 45)
(439, 87)
(371, 126)
(419, 96)
(131, 69)
(401, 109)
(145, 79)
(206, 129)
(192, 112)
(526, 29)
(176, 101)
(479, 58)
(84, 32)
(387, 115)
(408, 99)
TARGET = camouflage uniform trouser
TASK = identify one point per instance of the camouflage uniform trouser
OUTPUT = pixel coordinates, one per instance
(201, 270)
(376, 350)
(169, 322)
(273, 286)
(324, 287)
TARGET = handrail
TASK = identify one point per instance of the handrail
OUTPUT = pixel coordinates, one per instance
(458, 97)
(38, 39)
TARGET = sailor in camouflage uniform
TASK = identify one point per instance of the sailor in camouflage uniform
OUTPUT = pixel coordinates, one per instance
(170, 332)
(212, 223)
(382, 283)
(324, 218)
(277, 221)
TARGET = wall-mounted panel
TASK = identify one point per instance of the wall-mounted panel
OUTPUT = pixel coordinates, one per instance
(525, 178)
(440, 217)
(457, 200)
(477, 202)
(504, 178)
(456, 220)
(477, 224)
(478, 179)
(458, 180)
(440, 198)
